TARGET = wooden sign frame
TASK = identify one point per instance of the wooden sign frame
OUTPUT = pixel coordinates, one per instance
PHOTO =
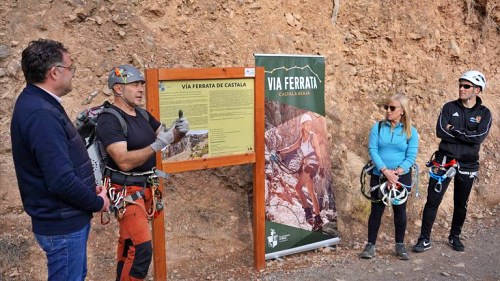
(153, 78)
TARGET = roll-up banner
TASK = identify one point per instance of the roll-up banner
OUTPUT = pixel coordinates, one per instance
(300, 209)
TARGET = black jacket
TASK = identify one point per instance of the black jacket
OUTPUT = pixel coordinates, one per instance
(470, 128)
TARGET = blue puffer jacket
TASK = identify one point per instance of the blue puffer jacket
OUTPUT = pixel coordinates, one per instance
(53, 169)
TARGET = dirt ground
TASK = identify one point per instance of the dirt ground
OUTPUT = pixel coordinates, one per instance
(214, 242)
(372, 49)
(209, 237)
(478, 262)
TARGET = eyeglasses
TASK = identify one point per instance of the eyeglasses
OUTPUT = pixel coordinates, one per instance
(391, 107)
(465, 86)
(71, 68)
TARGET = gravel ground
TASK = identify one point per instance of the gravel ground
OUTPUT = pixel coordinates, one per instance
(480, 261)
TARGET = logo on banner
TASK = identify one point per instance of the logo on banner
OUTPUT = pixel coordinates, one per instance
(272, 240)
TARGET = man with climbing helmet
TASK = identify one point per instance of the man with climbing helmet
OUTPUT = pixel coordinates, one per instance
(130, 167)
(462, 126)
(53, 169)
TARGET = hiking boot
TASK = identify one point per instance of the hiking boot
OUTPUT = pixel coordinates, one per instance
(422, 245)
(318, 223)
(401, 252)
(369, 251)
(455, 243)
(309, 215)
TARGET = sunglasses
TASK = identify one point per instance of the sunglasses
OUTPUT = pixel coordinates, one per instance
(391, 107)
(465, 86)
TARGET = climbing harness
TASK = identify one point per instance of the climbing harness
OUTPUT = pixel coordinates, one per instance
(470, 174)
(441, 171)
(118, 198)
(293, 165)
(365, 172)
(388, 193)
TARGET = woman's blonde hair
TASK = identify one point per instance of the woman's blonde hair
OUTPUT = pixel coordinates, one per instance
(406, 118)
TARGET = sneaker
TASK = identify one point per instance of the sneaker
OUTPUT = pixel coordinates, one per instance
(369, 251)
(401, 252)
(454, 241)
(422, 245)
(318, 224)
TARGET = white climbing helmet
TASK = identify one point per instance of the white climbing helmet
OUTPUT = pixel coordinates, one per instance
(475, 77)
(305, 118)
(395, 195)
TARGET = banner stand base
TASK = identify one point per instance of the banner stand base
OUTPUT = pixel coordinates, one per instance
(308, 247)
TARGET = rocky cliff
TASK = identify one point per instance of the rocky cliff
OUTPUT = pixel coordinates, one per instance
(372, 48)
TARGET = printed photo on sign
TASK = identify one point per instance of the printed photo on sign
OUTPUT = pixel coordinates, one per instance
(298, 189)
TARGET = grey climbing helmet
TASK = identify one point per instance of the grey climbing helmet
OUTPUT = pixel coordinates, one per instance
(124, 74)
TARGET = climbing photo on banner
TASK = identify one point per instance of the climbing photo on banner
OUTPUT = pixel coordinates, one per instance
(299, 200)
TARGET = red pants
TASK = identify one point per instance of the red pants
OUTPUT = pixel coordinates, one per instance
(134, 252)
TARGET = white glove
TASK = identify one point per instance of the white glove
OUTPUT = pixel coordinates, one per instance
(165, 137)
(181, 125)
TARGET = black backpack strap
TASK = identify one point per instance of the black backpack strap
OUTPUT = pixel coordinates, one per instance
(143, 112)
(119, 117)
(123, 124)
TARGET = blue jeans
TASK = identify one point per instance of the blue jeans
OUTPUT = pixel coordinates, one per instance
(66, 254)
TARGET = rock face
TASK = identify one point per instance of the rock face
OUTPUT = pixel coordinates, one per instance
(373, 49)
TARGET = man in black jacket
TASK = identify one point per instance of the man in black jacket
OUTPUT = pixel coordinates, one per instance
(462, 126)
(53, 169)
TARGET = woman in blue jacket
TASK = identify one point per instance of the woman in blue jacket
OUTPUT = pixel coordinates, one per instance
(393, 148)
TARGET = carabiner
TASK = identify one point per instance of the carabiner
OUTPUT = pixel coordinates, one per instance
(438, 187)
(119, 198)
(112, 193)
(121, 213)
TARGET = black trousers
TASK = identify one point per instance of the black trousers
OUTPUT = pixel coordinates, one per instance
(377, 210)
(463, 186)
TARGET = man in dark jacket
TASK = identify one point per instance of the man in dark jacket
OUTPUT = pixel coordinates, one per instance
(53, 169)
(462, 126)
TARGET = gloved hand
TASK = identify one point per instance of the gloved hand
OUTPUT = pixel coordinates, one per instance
(165, 137)
(181, 125)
